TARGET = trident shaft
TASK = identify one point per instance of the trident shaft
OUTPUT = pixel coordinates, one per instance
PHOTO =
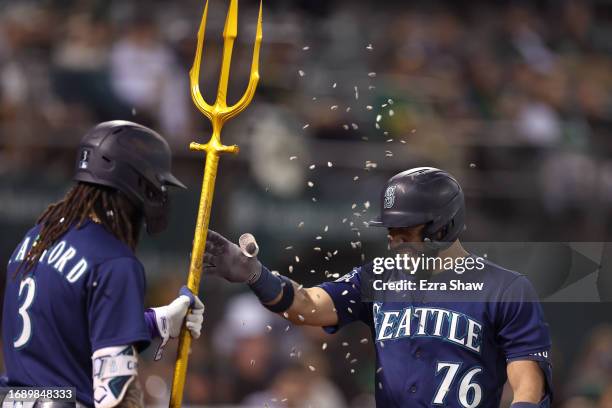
(218, 114)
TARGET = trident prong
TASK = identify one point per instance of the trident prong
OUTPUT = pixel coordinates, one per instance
(254, 78)
(230, 32)
(194, 73)
(218, 114)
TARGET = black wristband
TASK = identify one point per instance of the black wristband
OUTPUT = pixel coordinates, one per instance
(286, 300)
(267, 287)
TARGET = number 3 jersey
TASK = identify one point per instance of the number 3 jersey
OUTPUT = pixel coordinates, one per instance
(436, 348)
(85, 293)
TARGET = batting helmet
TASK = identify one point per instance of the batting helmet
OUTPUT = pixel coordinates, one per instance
(424, 196)
(134, 160)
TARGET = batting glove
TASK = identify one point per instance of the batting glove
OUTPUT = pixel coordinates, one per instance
(169, 319)
(226, 260)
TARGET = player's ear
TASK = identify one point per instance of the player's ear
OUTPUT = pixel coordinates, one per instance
(408, 234)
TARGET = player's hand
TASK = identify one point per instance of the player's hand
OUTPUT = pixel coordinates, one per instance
(179, 310)
(170, 318)
(225, 259)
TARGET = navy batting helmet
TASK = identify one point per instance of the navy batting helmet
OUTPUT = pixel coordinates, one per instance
(424, 196)
(134, 160)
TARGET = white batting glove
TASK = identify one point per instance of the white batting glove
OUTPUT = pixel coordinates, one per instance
(170, 318)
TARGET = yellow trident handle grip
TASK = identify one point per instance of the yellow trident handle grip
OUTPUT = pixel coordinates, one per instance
(195, 272)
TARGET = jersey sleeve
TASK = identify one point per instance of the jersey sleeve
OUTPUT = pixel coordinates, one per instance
(116, 305)
(523, 333)
(522, 328)
(346, 295)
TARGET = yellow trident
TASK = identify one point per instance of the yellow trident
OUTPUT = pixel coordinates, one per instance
(218, 114)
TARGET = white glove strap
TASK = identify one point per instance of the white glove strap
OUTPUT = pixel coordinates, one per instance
(163, 325)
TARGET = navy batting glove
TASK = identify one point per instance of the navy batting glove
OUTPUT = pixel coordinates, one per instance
(226, 260)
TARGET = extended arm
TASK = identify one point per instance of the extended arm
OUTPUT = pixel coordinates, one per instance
(302, 306)
(527, 382)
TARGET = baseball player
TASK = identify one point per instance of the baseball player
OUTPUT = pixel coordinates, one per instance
(432, 348)
(74, 311)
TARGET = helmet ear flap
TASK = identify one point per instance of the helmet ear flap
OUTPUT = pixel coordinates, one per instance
(441, 236)
(434, 235)
(156, 207)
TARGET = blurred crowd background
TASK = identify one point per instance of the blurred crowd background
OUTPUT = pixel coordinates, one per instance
(512, 97)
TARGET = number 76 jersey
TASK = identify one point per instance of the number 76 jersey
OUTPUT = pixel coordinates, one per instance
(437, 349)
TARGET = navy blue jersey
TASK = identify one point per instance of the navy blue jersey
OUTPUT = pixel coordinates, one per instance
(435, 350)
(85, 293)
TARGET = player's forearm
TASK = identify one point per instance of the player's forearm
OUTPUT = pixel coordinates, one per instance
(299, 306)
(526, 380)
(308, 308)
(133, 396)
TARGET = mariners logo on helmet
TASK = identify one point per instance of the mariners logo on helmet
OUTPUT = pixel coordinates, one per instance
(84, 160)
(389, 196)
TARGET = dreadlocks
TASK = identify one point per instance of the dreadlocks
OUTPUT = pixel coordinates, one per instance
(85, 201)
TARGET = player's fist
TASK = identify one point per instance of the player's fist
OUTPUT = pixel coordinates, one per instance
(227, 260)
(169, 319)
(178, 311)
